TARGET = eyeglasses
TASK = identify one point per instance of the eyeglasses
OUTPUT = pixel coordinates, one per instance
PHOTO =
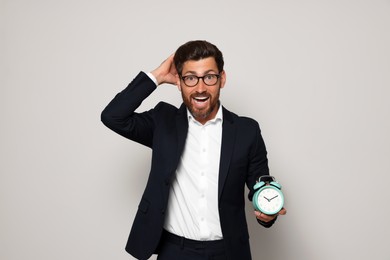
(208, 79)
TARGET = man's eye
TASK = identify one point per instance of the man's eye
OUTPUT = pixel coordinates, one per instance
(190, 78)
(209, 76)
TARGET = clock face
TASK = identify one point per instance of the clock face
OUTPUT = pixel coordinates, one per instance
(270, 200)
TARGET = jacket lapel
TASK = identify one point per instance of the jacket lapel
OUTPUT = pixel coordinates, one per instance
(182, 129)
(227, 147)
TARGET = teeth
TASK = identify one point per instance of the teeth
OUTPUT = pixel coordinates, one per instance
(201, 98)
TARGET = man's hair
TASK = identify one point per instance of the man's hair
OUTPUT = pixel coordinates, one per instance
(197, 50)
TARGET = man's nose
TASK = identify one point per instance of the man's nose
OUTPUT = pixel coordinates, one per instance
(201, 87)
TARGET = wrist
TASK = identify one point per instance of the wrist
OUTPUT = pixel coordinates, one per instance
(157, 76)
(152, 77)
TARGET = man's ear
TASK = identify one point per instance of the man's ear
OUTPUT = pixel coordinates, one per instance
(178, 82)
(223, 79)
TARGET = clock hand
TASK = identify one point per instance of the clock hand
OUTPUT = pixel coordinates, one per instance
(273, 198)
(267, 199)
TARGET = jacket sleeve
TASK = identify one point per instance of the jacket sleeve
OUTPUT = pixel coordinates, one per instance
(258, 166)
(120, 116)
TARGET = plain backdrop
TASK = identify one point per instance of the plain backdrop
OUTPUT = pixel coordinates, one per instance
(314, 74)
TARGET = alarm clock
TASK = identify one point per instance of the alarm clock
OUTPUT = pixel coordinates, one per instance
(268, 197)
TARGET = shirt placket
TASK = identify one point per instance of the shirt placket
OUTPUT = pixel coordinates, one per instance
(202, 201)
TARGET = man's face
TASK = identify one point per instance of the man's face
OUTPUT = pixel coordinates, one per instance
(201, 100)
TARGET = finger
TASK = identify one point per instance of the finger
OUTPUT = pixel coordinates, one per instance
(259, 215)
(169, 60)
(283, 211)
(264, 217)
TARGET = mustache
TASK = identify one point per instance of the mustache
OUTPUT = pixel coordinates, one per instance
(200, 95)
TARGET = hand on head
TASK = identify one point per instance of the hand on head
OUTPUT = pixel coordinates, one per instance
(166, 72)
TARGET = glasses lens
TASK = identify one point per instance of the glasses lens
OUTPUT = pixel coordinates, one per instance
(190, 80)
(210, 79)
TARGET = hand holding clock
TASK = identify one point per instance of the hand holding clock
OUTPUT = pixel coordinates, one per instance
(268, 199)
(267, 218)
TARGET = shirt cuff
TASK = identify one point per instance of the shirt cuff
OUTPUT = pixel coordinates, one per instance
(153, 78)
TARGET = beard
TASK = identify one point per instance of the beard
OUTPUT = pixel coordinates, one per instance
(203, 113)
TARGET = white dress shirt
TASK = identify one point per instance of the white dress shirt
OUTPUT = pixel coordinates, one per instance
(193, 200)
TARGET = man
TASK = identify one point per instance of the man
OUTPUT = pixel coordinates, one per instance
(193, 205)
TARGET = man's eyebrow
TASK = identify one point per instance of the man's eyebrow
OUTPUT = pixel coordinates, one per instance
(190, 72)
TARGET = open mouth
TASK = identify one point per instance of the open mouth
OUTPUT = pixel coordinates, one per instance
(200, 102)
(200, 99)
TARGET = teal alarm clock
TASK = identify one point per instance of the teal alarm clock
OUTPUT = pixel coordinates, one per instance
(268, 197)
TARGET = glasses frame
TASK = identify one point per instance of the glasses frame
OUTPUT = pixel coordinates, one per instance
(197, 81)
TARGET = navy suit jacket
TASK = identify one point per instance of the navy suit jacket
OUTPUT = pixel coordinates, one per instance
(164, 129)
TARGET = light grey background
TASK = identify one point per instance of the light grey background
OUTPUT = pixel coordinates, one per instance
(315, 74)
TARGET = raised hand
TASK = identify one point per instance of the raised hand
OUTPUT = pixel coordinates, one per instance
(166, 72)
